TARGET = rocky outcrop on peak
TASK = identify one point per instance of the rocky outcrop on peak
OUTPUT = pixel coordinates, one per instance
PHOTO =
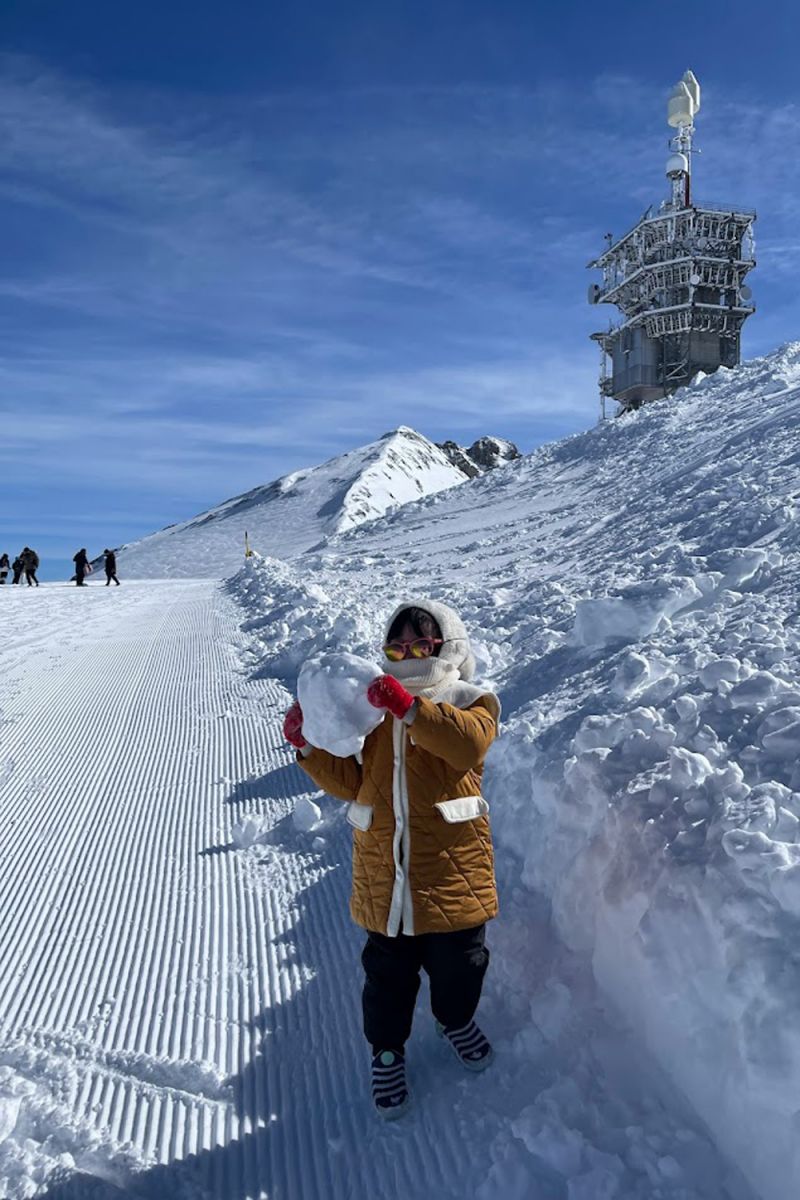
(483, 455)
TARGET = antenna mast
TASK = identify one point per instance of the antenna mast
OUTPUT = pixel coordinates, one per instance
(677, 279)
(683, 103)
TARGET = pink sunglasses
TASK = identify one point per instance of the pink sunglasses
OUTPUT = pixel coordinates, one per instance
(422, 647)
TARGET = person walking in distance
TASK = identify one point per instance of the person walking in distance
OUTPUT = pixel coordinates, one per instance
(111, 567)
(423, 865)
(30, 565)
(4, 568)
(82, 567)
(16, 567)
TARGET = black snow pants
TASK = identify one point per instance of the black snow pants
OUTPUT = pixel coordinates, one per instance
(111, 575)
(455, 964)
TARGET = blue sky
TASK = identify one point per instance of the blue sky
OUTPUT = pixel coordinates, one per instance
(242, 238)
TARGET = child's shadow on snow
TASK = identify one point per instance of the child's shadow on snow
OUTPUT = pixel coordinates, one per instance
(278, 784)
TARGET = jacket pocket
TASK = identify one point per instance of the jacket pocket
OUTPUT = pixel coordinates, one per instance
(463, 808)
(359, 815)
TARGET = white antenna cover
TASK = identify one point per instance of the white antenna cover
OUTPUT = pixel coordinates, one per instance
(690, 79)
(677, 164)
(680, 107)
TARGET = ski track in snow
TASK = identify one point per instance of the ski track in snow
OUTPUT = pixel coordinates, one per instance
(141, 968)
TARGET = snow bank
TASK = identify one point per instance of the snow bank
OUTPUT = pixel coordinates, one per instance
(664, 830)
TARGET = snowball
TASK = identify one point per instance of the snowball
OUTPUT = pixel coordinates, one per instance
(332, 690)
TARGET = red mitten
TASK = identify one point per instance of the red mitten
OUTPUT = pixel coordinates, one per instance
(388, 692)
(293, 726)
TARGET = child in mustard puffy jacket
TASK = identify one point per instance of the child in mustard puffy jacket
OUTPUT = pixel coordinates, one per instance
(423, 867)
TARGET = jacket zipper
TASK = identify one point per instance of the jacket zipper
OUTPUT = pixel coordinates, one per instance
(401, 910)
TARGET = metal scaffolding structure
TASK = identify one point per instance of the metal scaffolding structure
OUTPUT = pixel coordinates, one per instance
(678, 279)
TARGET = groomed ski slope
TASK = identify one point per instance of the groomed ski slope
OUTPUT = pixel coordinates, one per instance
(179, 979)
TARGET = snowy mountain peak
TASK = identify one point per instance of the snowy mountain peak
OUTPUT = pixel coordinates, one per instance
(404, 466)
(293, 513)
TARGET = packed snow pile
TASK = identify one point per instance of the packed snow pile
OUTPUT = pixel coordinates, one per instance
(633, 595)
(286, 517)
(332, 690)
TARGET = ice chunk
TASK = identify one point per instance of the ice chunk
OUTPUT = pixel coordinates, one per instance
(332, 690)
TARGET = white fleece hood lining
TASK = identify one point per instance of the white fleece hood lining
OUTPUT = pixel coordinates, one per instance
(456, 649)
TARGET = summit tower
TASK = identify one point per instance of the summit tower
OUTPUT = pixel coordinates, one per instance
(678, 279)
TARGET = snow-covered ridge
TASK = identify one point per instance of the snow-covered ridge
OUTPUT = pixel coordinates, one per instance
(286, 517)
(633, 592)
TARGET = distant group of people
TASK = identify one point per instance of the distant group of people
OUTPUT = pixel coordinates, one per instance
(26, 563)
(83, 567)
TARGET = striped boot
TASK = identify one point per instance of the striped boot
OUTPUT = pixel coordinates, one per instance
(389, 1091)
(469, 1045)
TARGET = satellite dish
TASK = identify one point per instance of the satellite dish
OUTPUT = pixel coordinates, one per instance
(694, 279)
(745, 292)
(702, 243)
(595, 292)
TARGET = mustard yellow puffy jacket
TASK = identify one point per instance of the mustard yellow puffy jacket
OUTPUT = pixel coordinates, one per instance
(422, 849)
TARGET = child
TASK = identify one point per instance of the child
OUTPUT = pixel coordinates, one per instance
(423, 866)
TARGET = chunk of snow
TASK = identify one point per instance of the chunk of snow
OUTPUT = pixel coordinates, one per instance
(332, 690)
(306, 814)
(633, 614)
(250, 831)
(780, 734)
(9, 1112)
